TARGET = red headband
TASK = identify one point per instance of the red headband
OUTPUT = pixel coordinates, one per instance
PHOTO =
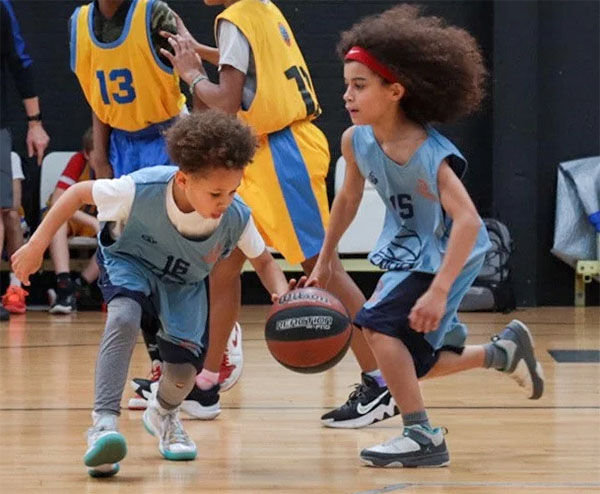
(363, 56)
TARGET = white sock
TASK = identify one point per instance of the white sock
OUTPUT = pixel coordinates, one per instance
(14, 280)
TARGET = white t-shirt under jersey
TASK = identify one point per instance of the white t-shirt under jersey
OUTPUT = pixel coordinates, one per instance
(114, 199)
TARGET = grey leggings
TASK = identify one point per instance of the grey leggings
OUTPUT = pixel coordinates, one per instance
(119, 339)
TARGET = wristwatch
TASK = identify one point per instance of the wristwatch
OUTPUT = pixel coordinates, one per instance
(35, 118)
(196, 80)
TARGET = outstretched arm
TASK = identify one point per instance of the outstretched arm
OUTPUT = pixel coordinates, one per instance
(344, 208)
(28, 259)
(270, 274)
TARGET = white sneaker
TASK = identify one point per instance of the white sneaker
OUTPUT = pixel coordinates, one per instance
(173, 442)
(418, 446)
(106, 446)
(233, 360)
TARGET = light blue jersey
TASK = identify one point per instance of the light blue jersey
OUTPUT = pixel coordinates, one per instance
(416, 229)
(152, 258)
(414, 240)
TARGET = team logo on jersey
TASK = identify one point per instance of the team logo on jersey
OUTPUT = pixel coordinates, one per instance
(424, 190)
(372, 178)
(214, 254)
(284, 34)
(401, 254)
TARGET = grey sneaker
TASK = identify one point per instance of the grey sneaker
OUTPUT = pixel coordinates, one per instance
(522, 366)
(173, 442)
(106, 446)
(418, 446)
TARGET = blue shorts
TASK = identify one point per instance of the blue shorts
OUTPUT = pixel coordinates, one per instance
(131, 151)
(388, 309)
(182, 309)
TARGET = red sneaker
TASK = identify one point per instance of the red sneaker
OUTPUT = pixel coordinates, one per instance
(14, 299)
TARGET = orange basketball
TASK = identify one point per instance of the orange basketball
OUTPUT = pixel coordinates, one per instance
(308, 330)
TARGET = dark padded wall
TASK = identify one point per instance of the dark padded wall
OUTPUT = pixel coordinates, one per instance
(516, 180)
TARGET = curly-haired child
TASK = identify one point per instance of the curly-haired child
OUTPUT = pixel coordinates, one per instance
(404, 71)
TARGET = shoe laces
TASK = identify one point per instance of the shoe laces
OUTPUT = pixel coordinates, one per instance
(155, 373)
(174, 430)
(359, 392)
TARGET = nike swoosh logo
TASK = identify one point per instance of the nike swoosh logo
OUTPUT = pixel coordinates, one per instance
(362, 409)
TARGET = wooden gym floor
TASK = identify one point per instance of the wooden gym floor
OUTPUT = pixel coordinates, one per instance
(268, 437)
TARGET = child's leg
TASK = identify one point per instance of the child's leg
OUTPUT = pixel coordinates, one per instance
(373, 383)
(398, 368)
(106, 446)
(419, 445)
(512, 352)
(472, 357)
(161, 418)
(118, 342)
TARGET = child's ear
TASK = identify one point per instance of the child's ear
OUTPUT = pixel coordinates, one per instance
(86, 155)
(397, 91)
(181, 179)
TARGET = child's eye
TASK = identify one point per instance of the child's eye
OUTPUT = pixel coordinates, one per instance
(215, 194)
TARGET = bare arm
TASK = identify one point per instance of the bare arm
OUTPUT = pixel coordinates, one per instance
(80, 216)
(344, 208)
(28, 259)
(426, 314)
(465, 227)
(270, 274)
(99, 155)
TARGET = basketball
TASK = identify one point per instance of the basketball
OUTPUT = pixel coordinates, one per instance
(308, 330)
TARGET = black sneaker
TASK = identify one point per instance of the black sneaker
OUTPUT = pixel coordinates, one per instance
(86, 298)
(4, 314)
(199, 404)
(367, 404)
(64, 301)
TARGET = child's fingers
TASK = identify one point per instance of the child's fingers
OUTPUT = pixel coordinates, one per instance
(165, 34)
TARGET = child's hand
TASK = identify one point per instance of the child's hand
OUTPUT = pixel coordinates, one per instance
(320, 274)
(185, 60)
(292, 285)
(426, 314)
(26, 261)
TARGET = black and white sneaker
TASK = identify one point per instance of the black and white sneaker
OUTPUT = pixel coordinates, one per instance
(63, 300)
(522, 366)
(418, 446)
(367, 404)
(199, 404)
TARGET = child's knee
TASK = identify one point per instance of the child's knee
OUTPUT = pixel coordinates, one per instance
(176, 382)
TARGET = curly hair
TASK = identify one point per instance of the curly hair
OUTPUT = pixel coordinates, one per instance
(440, 66)
(208, 139)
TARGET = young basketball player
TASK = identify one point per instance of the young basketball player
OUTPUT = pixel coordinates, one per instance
(258, 58)
(403, 71)
(115, 53)
(113, 57)
(165, 229)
